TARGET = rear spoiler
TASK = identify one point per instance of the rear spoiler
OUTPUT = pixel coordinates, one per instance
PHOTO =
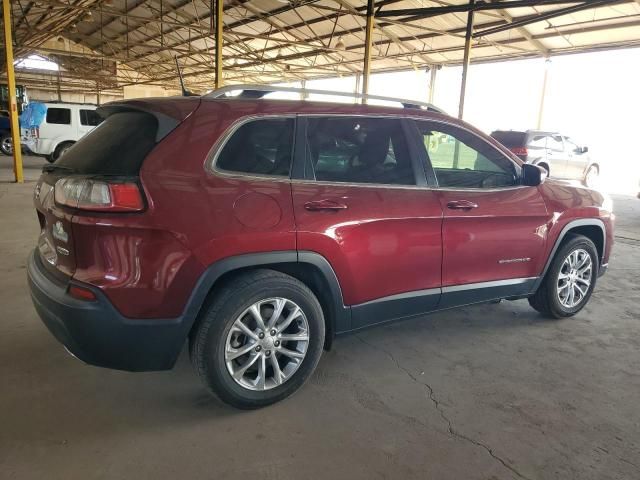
(168, 112)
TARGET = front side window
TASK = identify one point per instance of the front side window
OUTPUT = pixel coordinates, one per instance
(461, 159)
(59, 116)
(261, 147)
(90, 118)
(358, 150)
(570, 146)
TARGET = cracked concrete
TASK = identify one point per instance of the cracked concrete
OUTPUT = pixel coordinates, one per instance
(431, 396)
(484, 392)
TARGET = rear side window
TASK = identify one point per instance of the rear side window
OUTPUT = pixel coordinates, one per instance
(537, 141)
(58, 116)
(118, 146)
(359, 150)
(554, 143)
(261, 147)
(90, 117)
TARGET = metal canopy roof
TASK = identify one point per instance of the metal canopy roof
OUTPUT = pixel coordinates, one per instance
(269, 41)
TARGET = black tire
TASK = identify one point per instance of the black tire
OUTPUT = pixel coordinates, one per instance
(545, 166)
(546, 300)
(5, 147)
(59, 151)
(591, 177)
(208, 339)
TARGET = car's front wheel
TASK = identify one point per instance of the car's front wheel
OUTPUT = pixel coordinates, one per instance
(592, 176)
(259, 339)
(570, 279)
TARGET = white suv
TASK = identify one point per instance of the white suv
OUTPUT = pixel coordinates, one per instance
(54, 127)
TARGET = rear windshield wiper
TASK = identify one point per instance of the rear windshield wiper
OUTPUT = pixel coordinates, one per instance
(53, 167)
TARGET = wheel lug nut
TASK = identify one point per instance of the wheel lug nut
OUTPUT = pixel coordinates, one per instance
(277, 343)
(258, 348)
(268, 353)
(273, 332)
(261, 335)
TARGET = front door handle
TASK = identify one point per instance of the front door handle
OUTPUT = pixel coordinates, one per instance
(318, 205)
(461, 205)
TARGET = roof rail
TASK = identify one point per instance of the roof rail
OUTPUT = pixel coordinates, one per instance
(259, 91)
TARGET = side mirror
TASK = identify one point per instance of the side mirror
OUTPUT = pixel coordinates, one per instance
(532, 175)
(585, 149)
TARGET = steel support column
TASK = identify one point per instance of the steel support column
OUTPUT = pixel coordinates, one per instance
(433, 69)
(11, 84)
(467, 55)
(219, 5)
(543, 94)
(367, 49)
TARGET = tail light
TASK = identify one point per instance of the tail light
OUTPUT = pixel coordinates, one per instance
(520, 151)
(99, 195)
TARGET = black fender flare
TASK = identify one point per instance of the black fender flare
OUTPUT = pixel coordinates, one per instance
(565, 230)
(341, 318)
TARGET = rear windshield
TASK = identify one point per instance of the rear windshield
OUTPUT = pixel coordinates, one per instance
(118, 146)
(510, 139)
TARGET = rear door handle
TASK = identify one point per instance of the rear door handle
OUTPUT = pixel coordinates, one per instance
(318, 205)
(461, 205)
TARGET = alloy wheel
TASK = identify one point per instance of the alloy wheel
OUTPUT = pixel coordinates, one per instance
(267, 344)
(574, 280)
(7, 145)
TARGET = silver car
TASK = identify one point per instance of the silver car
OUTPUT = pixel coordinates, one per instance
(556, 153)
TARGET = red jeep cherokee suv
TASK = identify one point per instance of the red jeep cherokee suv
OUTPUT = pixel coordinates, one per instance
(259, 229)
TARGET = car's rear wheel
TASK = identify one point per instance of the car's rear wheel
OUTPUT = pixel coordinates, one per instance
(259, 339)
(6, 144)
(569, 282)
(592, 176)
(60, 151)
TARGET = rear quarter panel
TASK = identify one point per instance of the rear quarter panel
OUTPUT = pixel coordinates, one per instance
(208, 211)
(141, 261)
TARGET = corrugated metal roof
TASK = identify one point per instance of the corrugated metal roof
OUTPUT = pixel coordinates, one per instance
(269, 41)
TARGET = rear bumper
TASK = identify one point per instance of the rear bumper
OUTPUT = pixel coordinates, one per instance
(96, 333)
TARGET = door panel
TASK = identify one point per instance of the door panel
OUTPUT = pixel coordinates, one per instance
(576, 161)
(557, 157)
(494, 229)
(502, 238)
(576, 166)
(385, 242)
(359, 206)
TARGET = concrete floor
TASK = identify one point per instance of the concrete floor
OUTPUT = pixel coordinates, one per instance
(486, 392)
